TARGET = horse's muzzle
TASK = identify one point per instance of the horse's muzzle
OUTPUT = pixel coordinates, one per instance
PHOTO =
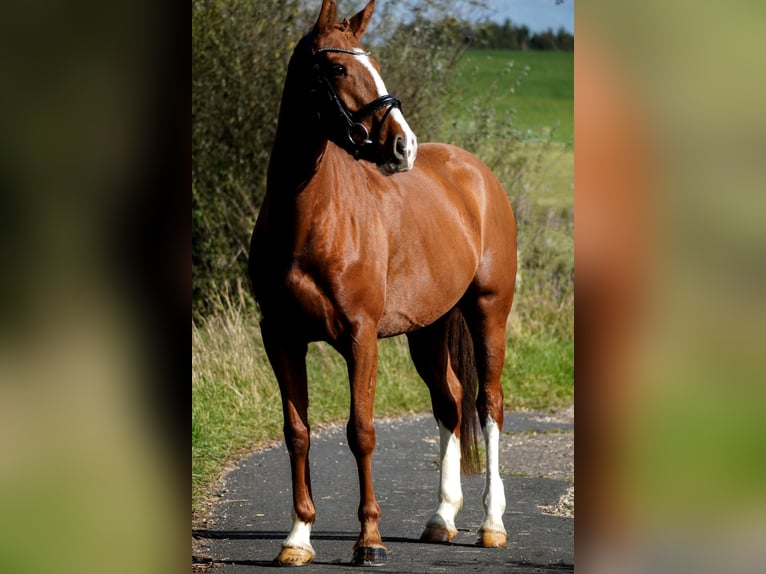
(403, 156)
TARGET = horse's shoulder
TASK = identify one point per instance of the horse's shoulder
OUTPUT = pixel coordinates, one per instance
(439, 149)
(446, 155)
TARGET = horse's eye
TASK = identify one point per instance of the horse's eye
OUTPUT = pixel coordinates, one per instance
(338, 70)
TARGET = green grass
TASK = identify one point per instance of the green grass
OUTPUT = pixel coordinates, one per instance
(555, 182)
(233, 403)
(538, 373)
(538, 87)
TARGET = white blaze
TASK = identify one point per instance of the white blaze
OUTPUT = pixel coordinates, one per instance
(396, 114)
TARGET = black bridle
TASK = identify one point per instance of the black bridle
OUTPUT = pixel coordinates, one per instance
(344, 127)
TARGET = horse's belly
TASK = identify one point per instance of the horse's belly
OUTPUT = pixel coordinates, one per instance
(421, 303)
(401, 321)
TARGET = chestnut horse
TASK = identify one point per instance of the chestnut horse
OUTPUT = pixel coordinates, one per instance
(355, 241)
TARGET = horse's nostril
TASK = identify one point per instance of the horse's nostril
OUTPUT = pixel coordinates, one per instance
(400, 147)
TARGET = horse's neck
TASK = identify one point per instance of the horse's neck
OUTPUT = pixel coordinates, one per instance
(299, 147)
(294, 163)
(300, 161)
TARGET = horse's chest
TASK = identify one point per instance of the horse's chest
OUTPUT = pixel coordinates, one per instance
(318, 292)
(306, 303)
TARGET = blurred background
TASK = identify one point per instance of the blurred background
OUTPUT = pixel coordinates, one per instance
(94, 275)
(670, 252)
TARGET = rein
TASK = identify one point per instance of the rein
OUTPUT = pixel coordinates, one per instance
(352, 135)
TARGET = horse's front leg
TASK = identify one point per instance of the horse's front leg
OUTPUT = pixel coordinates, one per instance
(362, 358)
(288, 359)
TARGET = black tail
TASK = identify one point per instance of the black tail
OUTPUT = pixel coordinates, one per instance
(464, 364)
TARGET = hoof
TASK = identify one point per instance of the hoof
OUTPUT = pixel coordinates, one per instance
(290, 556)
(369, 556)
(436, 534)
(491, 539)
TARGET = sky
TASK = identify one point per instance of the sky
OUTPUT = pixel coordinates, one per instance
(538, 15)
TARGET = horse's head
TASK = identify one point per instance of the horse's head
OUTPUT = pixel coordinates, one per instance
(354, 106)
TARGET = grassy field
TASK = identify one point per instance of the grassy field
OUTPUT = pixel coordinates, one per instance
(235, 399)
(538, 87)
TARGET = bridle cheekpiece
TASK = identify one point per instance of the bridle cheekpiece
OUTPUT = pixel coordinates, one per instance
(345, 127)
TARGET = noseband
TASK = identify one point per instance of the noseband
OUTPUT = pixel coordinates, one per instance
(346, 127)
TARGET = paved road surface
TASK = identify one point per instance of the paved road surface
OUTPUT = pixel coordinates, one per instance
(246, 527)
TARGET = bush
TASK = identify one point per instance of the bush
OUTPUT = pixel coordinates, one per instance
(240, 50)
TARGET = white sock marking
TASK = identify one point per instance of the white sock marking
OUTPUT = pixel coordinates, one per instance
(300, 536)
(493, 496)
(450, 491)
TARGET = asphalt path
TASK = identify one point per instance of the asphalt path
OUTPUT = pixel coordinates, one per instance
(252, 515)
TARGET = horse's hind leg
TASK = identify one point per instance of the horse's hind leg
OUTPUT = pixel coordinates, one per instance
(429, 350)
(487, 316)
(288, 360)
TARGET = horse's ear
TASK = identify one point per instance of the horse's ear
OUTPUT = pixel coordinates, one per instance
(359, 22)
(327, 16)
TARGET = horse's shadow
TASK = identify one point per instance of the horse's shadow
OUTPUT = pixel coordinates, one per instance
(321, 535)
(204, 534)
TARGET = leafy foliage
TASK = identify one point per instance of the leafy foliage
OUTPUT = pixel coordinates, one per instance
(240, 50)
(508, 36)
